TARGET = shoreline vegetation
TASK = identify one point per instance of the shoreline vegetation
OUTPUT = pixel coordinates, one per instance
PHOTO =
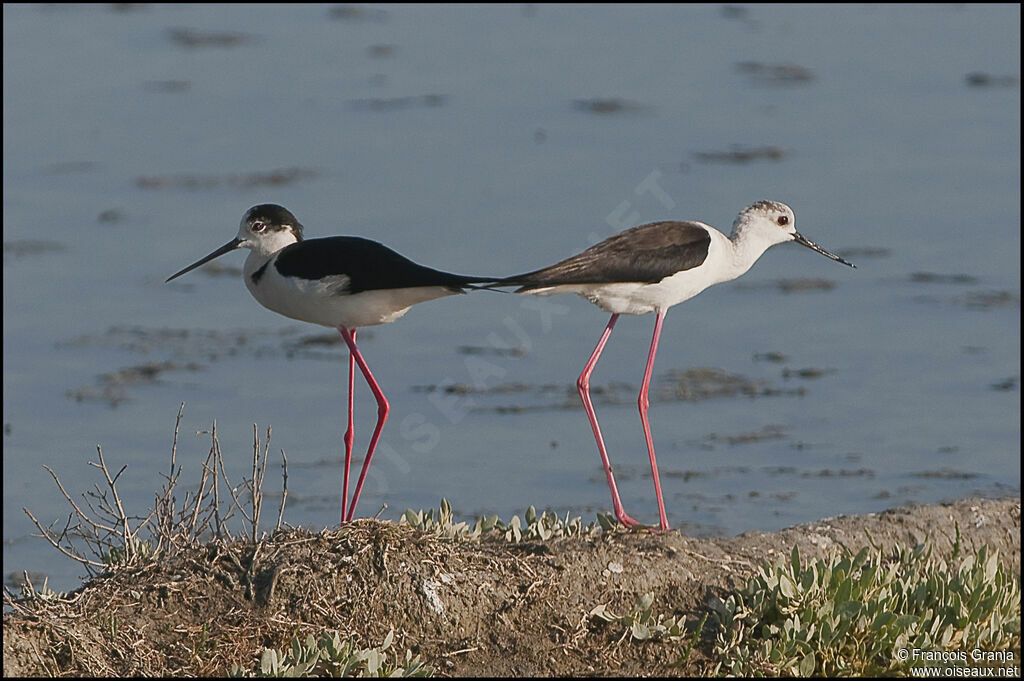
(198, 589)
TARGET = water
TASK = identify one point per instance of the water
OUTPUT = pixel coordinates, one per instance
(466, 138)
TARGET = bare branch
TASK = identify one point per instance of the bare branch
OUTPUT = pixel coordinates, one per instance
(174, 441)
(201, 493)
(81, 514)
(129, 540)
(284, 491)
(227, 485)
(258, 473)
(215, 452)
(256, 490)
(73, 556)
(263, 469)
(99, 534)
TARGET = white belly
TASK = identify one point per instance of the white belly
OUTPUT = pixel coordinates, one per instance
(324, 302)
(632, 298)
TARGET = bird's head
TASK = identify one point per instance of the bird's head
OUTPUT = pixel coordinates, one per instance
(773, 222)
(265, 229)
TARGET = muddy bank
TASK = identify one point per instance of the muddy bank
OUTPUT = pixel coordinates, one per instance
(467, 607)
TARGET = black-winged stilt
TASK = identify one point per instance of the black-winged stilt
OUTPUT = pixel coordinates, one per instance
(650, 268)
(343, 282)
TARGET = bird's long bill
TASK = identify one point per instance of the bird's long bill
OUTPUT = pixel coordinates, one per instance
(804, 241)
(229, 246)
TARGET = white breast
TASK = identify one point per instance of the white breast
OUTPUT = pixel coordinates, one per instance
(327, 302)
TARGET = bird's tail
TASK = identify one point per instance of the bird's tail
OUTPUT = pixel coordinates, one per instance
(523, 282)
(480, 283)
(501, 282)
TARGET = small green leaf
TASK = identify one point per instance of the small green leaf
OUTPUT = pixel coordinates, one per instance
(882, 619)
(807, 665)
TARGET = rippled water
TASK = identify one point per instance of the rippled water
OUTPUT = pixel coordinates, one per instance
(493, 140)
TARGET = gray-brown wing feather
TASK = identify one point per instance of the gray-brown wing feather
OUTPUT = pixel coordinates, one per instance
(645, 254)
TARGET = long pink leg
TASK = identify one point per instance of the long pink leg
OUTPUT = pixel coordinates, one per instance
(643, 403)
(583, 385)
(350, 434)
(382, 413)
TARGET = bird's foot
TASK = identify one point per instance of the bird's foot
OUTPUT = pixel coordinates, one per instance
(625, 519)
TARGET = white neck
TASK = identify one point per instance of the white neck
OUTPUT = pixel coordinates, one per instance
(747, 247)
(263, 249)
(256, 260)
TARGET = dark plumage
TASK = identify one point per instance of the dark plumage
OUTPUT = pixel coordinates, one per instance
(275, 217)
(369, 265)
(645, 255)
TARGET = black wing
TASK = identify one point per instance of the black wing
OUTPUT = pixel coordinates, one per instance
(369, 265)
(645, 254)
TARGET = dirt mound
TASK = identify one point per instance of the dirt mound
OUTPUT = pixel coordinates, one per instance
(467, 607)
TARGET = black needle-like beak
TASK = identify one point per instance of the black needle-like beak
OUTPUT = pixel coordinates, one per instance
(797, 237)
(229, 246)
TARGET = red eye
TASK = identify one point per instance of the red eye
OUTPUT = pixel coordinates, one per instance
(783, 220)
